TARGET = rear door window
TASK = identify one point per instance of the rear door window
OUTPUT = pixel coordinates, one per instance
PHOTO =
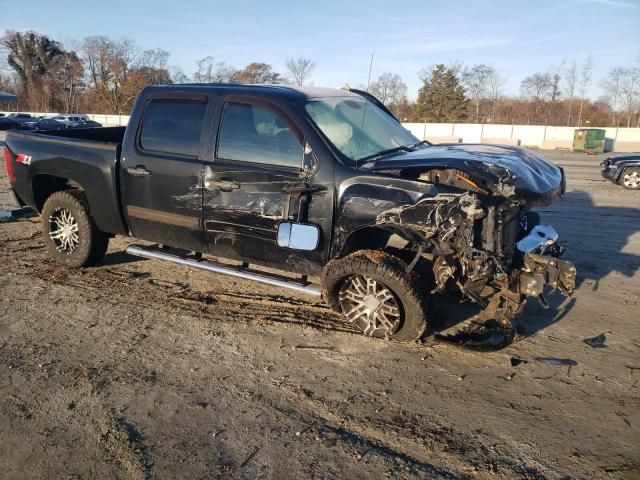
(172, 127)
(252, 133)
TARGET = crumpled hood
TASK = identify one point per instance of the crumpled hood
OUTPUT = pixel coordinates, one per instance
(511, 172)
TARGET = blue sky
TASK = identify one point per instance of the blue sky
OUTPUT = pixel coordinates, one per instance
(517, 37)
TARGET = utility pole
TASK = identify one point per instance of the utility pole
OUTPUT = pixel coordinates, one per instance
(370, 67)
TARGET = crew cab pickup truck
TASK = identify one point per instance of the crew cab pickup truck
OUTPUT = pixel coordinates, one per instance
(316, 183)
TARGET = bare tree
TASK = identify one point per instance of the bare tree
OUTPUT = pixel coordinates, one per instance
(611, 86)
(300, 69)
(476, 84)
(390, 90)
(555, 76)
(496, 84)
(117, 71)
(630, 90)
(537, 89)
(154, 64)
(585, 81)
(570, 82)
(210, 71)
(178, 75)
(69, 78)
(256, 73)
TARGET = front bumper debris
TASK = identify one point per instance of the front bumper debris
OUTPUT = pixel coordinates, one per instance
(492, 328)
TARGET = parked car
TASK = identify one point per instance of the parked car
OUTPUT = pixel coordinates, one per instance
(310, 181)
(20, 117)
(70, 120)
(87, 124)
(44, 124)
(7, 123)
(623, 170)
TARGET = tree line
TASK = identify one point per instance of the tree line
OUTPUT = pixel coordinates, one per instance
(103, 75)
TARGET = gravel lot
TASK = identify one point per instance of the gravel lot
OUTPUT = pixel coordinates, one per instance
(136, 369)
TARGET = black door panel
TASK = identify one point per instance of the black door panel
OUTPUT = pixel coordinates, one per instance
(246, 197)
(161, 172)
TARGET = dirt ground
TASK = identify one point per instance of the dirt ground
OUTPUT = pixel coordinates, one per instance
(138, 369)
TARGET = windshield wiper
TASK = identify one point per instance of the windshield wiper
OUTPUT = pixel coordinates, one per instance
(421, 142)
(406, 148)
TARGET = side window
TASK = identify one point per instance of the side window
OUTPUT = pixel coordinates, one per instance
(251, 133)
(173, 126)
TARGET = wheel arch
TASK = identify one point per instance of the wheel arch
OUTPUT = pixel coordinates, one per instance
(107, 217)
(44, 185)
(375, 237)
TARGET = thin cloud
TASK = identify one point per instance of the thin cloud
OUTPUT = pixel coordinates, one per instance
(615, 3)
(421, 44)
(575, 33)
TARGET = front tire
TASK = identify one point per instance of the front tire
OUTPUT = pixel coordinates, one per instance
(70, 234)
(630, 178)
(373, 290)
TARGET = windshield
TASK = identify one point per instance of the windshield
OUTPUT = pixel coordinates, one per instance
(357, 127)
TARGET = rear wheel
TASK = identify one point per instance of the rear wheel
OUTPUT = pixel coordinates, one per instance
(373, 291)
(70, 234)
(630, 178)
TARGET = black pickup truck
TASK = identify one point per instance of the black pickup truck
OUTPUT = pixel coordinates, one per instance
(316, 182)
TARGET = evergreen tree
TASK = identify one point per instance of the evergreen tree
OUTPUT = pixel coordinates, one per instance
(441, 98)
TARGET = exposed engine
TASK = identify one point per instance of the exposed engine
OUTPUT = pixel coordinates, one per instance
(492, 250)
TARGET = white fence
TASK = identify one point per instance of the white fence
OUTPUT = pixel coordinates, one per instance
(536, 136)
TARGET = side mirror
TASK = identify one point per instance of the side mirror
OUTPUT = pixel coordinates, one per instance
(298, 236)
(309, 161)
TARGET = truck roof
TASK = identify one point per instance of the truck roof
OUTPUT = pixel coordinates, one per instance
(303, 92)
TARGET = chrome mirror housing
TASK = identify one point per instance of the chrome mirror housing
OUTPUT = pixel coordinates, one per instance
(298, 236)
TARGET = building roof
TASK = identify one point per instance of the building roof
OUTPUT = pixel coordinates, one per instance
(8, 97)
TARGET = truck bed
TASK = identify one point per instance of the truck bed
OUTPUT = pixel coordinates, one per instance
(86, 157)
(101, 135)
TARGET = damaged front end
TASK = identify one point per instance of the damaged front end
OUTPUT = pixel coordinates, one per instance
(484, 241)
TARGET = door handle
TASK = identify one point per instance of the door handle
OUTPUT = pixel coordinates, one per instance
(139, 171)
(223, 184)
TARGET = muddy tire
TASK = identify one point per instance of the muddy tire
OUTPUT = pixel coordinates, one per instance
(373, 291)
(70, 234)
(630, 178)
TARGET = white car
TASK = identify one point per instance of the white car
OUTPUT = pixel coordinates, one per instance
(71, 120)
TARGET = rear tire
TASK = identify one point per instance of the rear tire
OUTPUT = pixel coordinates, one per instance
(630, 178)
(70, 234)
(373, 291)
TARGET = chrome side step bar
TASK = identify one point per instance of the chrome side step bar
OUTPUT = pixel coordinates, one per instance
(239, 272)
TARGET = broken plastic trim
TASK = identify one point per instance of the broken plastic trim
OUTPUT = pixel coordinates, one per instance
(539, 239)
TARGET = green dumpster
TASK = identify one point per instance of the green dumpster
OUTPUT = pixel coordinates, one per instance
(590, 140)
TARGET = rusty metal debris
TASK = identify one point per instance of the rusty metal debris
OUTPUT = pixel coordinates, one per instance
(482, 336)
(556, 361)
(597, 341)
(314, 347)
(515, 361)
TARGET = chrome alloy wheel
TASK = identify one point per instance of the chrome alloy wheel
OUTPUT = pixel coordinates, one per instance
(631, 179)
(63, 231)
(370, 305)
